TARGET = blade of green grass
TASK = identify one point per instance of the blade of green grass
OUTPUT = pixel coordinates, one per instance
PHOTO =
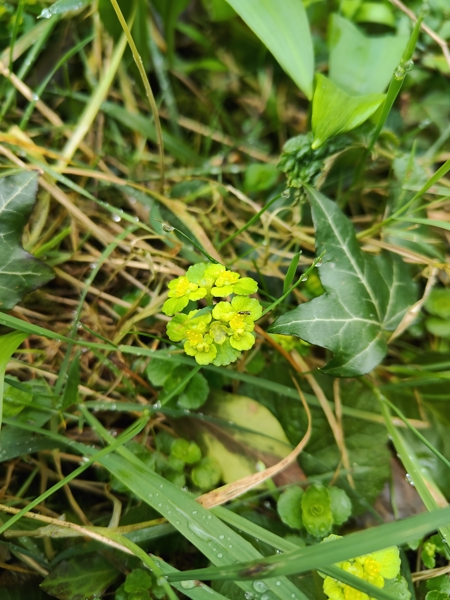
(322, 555)
(220, 544)
(8, 345)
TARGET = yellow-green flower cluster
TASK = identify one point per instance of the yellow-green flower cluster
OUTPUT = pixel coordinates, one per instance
(205, 280)
(374, 568)
(219, 333)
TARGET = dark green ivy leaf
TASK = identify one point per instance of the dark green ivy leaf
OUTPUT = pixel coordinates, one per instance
(20, 272)
(363, 296)
(80, 578)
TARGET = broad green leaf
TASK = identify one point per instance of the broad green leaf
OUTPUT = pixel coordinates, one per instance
(363, 296)
(375, 12)
(83, 577)
(359, 64)
(8, 345)
(20, 272)
(284, 29)
(334, 111)
(250, 434)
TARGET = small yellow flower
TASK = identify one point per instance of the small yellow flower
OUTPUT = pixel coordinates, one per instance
(226, 278)
(181, 287)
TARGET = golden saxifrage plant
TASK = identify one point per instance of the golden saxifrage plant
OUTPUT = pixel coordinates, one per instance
(219, 332)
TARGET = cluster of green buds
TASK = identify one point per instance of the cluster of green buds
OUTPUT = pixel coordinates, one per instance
(219, 332)
(303, 164)
(374, 568)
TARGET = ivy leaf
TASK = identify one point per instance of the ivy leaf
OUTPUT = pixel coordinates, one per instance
(20, 272)
(80, 577)
(363, 296)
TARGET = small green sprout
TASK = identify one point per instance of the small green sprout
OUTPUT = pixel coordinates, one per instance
(374, 568)
(221, 333)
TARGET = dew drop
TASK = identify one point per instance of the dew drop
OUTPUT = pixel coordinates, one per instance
(409, 479)
(167, 228)
(399, 73)
(286, 194)
(188, 585)
(220, 555)
(45, 14)
(260, 586)
(116, 218)
(35, 97)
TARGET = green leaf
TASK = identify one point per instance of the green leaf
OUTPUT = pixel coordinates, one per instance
(334, 551)
(138, 579)
(186, 451)
(363, 296)
(226, 354)
(159, 370)
(438, 303)
(359, 64)
(398, 587)
(8, 345)
(440, 583)
(284, 29)
(260, 177)
(334, 111)
(316, 510)
(83, 577)
(289, 507)
(174, 305)
(341, 505)
(70, 395)
(14, 400)
(436, 595)
(206, 474)
(195, 393)
(20, 272)
(291, 272)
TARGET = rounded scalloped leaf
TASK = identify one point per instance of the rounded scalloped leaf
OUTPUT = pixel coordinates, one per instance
(174, 305)
(316, 510)
(188, 452)
(223, 311)
(242, 304)
(222, 292)
(176, 328)
(245, 286)
(242, 342)
(206, 474)
(341, 505)
(226, 354)
(196, 272)
(389, 560)
(289, 507)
